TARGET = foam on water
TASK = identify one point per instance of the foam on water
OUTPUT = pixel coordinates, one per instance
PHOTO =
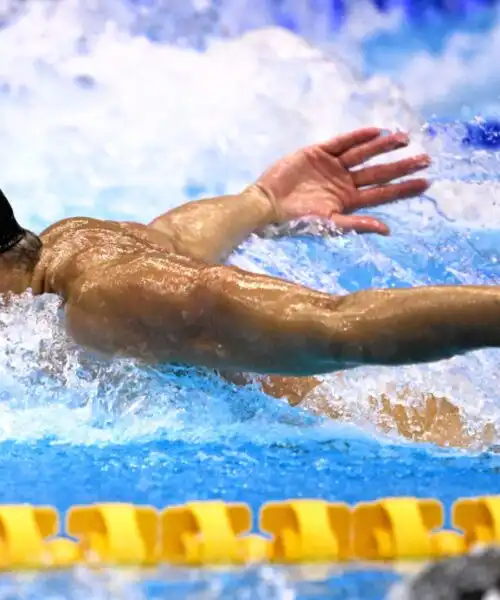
(266, 583)
(458, 77)
(101, 122)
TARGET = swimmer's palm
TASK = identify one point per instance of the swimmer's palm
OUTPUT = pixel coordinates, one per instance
(318, 180)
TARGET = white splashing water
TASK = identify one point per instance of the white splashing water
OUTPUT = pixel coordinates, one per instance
(99, 122)
(460, 80)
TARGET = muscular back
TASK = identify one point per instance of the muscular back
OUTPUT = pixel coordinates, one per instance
(75, 247)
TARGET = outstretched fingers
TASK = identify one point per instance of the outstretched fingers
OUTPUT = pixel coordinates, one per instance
(382, 194)
(379, 174)
(363, 152)
(360, 224)
(342, 143)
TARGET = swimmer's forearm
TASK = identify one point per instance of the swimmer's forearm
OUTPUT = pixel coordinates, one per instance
(404, 326)
(209, 230)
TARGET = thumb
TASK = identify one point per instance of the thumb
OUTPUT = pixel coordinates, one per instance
(360, 224)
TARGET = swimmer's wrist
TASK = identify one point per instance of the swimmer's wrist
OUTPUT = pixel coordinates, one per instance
(266, 200)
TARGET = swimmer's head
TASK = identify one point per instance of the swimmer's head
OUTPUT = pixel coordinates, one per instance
(20, 251)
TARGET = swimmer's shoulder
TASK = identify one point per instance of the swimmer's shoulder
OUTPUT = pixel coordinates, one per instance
(77, 246)
(69, 227)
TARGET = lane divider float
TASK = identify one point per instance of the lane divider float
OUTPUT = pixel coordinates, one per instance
(212, 533)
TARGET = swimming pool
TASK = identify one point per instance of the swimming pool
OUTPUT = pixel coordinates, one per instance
(101, 122)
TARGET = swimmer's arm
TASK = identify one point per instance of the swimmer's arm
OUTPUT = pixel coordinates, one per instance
(209, 230)
(225, 318)
(315, 181)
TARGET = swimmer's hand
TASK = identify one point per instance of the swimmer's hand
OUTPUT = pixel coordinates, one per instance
(320, 181)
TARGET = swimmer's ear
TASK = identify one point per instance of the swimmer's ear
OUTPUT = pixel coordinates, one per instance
(10, 230)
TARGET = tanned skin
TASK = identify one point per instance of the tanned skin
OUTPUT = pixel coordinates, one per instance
(161, 292)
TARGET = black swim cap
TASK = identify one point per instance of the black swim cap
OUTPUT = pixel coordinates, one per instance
(10, 230)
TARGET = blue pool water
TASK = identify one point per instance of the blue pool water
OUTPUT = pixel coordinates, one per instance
(97, 120)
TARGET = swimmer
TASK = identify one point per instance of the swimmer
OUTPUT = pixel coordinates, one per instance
(161, 292)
